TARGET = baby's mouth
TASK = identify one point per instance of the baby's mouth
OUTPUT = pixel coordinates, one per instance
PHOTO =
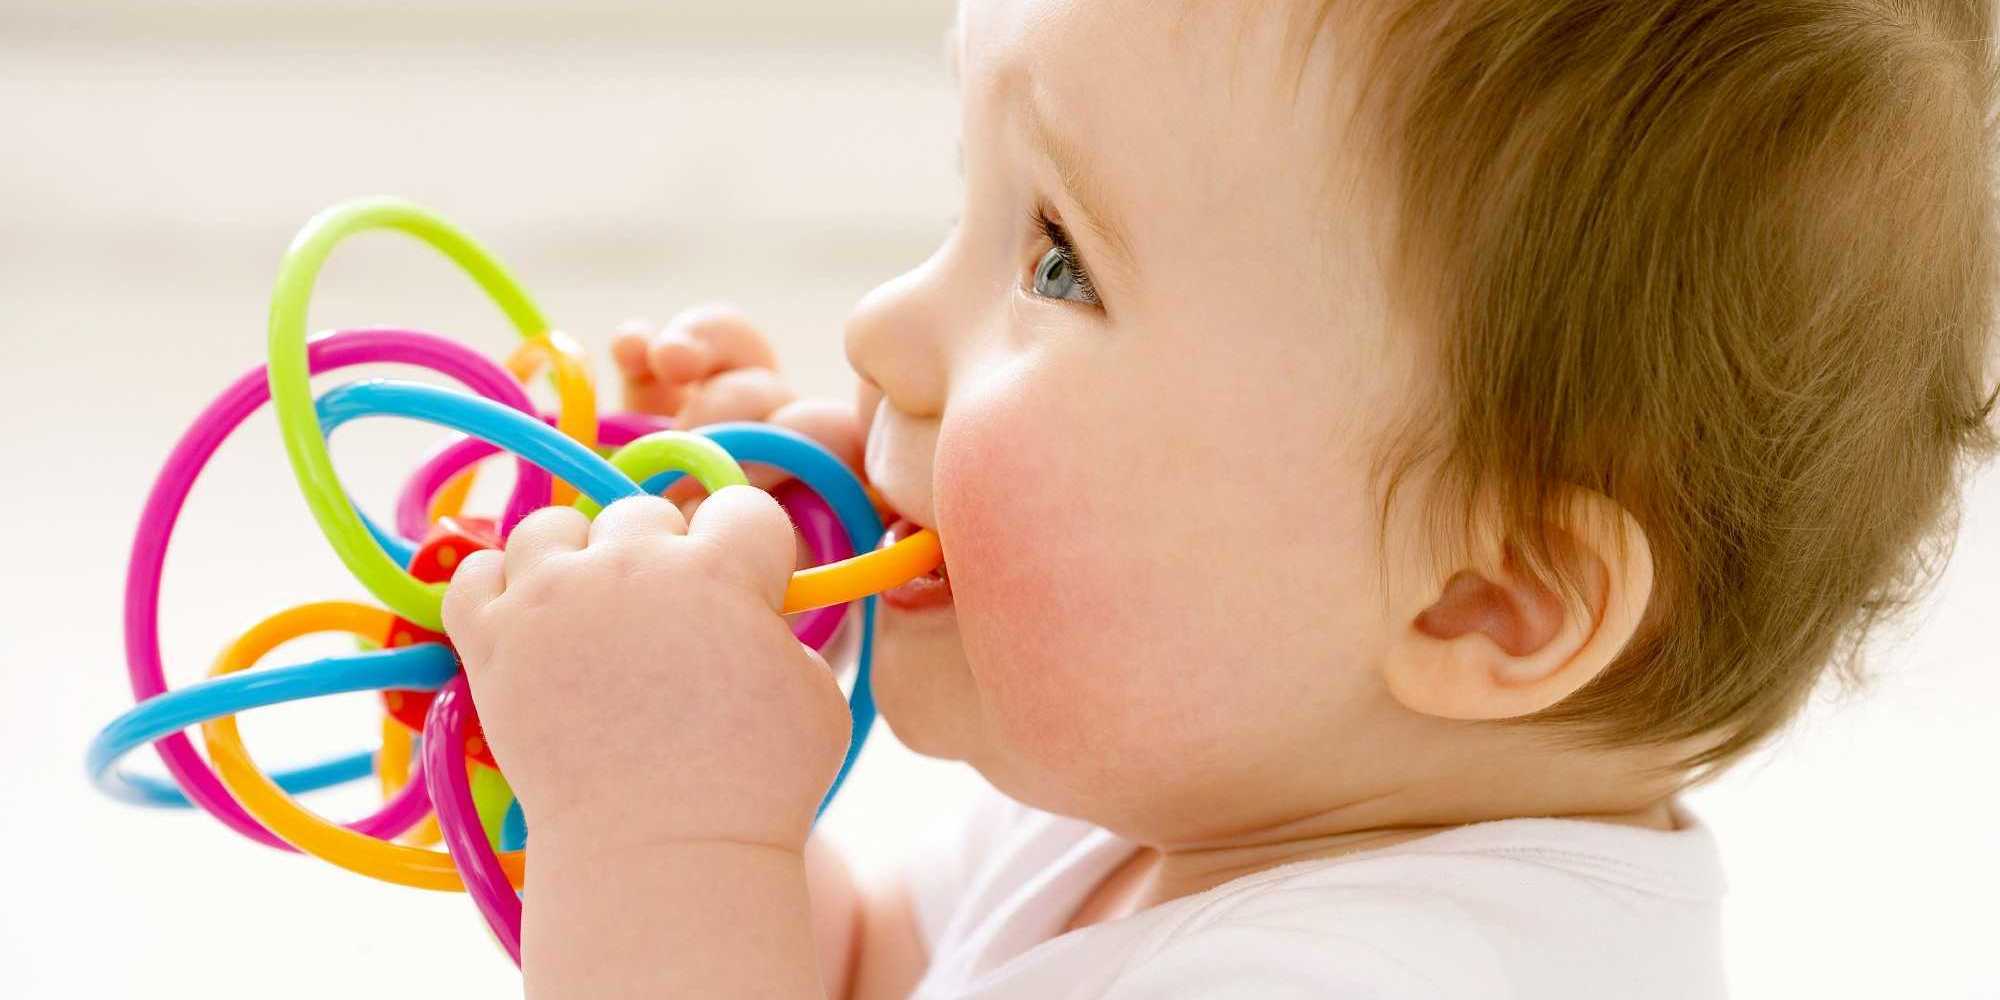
(932, 590)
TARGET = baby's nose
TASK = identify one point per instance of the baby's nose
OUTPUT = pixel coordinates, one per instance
(894, 342)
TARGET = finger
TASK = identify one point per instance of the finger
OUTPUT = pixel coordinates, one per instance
(830, 422)
(650, 395)
(765, 477)
(685, 491)
(837, 718)
(474, 585)
(643, 392)
(817, 660)
(731, 340)
(841, 652)
(628, 348)
(753, 533)
(737, 394)
(687, 506)
(637, 517)
(674, 358)
(739, 398)
(547, 532)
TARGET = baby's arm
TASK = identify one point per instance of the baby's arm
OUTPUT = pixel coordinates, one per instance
(708, 366)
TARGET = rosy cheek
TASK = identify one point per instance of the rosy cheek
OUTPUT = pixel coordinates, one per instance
(1030, 527)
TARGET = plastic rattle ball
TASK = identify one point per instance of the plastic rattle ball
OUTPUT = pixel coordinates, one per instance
(449, 787)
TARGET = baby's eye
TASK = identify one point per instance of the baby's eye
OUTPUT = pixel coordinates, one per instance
(1056, 277)
(1060, 274)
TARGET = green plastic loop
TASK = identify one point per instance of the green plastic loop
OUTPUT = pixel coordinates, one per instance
(291, 391)
(681, 451)
(491, 795)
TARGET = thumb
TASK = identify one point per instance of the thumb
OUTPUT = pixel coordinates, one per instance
(831, 423)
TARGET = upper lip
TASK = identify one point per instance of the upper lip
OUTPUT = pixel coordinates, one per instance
(899, 515)
(889, 503)
(892, 462)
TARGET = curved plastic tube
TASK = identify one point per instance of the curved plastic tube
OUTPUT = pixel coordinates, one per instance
(300, 827)
(486, 881)
(424, 667)
(177, 477)
(291, 391)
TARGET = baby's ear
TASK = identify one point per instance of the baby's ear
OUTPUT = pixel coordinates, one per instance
(1487, 641)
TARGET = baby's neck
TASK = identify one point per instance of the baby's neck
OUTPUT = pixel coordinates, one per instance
(1217, 839)
(1151, 876)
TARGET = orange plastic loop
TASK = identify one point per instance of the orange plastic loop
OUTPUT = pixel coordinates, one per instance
(298, 826)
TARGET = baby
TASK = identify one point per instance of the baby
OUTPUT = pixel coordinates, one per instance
(1384, 452)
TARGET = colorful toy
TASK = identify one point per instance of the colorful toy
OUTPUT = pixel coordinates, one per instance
(451, 790)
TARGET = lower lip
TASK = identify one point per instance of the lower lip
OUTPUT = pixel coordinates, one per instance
(925, 593)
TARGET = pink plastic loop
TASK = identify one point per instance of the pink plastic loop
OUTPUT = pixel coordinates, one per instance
(451, 790)
(177, 477)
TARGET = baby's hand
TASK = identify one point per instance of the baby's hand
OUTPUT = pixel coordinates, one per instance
(711, 365)
(707, 365)
(636, 682)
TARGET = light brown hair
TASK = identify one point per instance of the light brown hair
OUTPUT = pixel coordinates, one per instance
(1728, 262)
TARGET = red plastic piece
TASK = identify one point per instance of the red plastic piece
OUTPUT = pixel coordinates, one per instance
(450, 540)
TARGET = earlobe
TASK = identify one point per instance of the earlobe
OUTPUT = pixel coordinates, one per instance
(1491, 642)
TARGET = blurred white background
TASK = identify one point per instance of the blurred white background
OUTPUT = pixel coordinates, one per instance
(626, 158)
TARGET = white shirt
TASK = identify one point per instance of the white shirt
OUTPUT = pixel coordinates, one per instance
(1532, 908)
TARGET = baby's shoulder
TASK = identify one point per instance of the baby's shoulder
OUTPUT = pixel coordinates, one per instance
(1519, 907)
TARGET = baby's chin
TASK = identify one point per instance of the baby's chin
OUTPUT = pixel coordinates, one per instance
(922, 686)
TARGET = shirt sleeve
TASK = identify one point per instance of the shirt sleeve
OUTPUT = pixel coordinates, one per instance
(949, 856)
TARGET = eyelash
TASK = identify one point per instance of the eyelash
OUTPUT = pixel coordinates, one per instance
(1058, 237)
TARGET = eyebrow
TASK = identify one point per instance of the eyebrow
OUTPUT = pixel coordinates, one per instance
(1083, 187)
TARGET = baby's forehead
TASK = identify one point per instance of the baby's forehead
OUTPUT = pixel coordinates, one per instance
(1228, 42)
(1201, 103)
(1262, 67)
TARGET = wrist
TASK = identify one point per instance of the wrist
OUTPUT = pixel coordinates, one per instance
(610, 819)
(604, 837)
(667, 918)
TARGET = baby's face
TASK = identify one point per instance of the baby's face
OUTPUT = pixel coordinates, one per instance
(1147, 451)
